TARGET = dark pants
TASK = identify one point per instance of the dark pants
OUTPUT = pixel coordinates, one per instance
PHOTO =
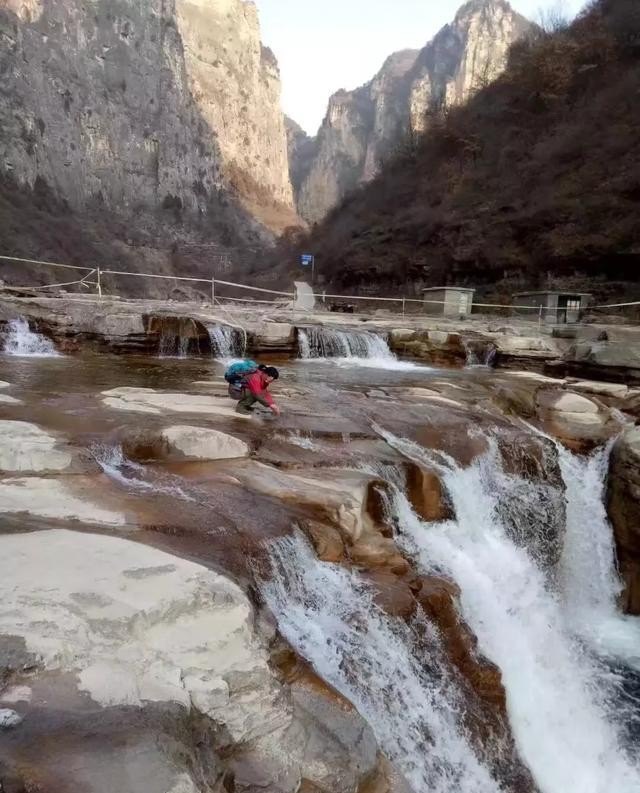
(247, 403)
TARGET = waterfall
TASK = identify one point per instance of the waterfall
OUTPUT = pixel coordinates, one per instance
(561, 700)
(133, 476)
(590, 581)
(319, 342)
(226, 342)
(172, 346)
(479, 353)
(395, 674)
(19, 340)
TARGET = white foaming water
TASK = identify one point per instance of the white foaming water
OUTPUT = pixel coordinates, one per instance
(558, 696)
(132, 475)
(395, 674)
(174, 346)
(226, 342)
(21, 341)
(590, 582)
(349, 348)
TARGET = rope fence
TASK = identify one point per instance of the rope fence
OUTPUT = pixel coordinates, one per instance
(214, 283)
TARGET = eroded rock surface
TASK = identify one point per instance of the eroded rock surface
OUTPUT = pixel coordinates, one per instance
(133, 642)
(624, 511)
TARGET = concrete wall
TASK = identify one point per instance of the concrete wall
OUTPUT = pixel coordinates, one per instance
(451, 298)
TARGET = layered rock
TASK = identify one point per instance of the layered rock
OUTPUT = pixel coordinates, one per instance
(147, 672)
(135, 107)
(364, 127)
(624, 511)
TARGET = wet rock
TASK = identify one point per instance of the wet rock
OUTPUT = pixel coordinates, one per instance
(326, 540)
(612, 390)
(486, 712)
(426, 494)
(394, 594)
(274, 337)
(573, 417)
(5, 399)
(339, 746)
(337, 496)
(9, 718)
(623, 499)
(26, 447)
(434, 346)
(4, 384)
(183, 442)
(57, 499)
(199, 443)
(146, 400)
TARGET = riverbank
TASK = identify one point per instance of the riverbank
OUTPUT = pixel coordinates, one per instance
(603, 352)
(351, 597)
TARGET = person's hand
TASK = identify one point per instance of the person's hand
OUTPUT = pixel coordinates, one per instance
(275, 410)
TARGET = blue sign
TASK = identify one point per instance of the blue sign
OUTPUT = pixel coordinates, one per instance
(306, 259)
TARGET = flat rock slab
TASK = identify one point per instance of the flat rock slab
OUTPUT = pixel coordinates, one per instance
(26, 447)
(137, 625)
(566, 402)
(614, 390)
(146, 400)
(4, 384)
(53, 498)
(5, 399)
(200, 443)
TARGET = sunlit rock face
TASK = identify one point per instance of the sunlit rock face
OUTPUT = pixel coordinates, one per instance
(364, 127)
(139, 106)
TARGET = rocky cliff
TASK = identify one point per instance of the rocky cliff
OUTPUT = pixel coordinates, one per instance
(522, 187)
(130, 108)
(363, 127)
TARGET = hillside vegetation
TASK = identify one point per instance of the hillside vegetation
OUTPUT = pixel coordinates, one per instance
(535, 181)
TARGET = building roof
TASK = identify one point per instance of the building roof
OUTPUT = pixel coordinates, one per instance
(451, 288)
(566, 292)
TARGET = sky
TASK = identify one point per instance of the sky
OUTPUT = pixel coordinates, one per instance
(325, 45)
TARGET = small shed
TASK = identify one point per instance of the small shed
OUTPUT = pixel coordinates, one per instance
(557, 308)
(449, 301)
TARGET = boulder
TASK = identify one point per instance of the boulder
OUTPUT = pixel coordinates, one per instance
(337, 496)
(200, 443)
(426, 495)
(623, 499)
(25, 447)
(572, 417)
(566, 402)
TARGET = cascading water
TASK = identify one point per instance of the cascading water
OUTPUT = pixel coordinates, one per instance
(560, 698)
(134, 476)
(319, 342)
(479, 354)
(590, 582)
(349, 348)
(380, 664)
(226, 342)
(19, 340)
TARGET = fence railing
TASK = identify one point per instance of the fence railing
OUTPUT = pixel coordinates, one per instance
(215, 284)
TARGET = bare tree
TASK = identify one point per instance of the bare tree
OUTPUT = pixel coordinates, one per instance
(554, 19)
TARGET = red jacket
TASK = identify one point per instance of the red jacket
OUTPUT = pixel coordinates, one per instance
(257, 384)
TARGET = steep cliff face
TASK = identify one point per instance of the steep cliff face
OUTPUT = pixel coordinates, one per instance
(522, 187)
(362, 126)
(235, 82)
(135, 106)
